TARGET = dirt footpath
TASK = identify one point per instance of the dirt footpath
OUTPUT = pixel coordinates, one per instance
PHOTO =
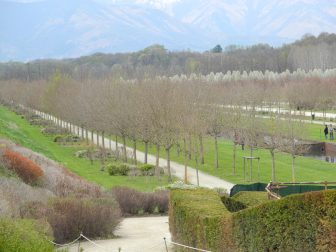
(136, 235)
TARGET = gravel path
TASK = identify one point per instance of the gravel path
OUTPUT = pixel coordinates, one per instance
(136, 235)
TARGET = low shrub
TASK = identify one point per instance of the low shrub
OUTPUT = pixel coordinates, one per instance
(133, 202)
(40, 122)
(26, 169)
(15, 194)
(94, 217)
(31, 116)
(67, 139)
(147, 169)
(118, 169)
(95, 154)
(4, 172)
(24, 236)
(53, 130)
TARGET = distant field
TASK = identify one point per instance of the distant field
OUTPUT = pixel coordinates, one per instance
(14, 128)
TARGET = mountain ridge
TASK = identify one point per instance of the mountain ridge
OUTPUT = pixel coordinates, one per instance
(57, 29)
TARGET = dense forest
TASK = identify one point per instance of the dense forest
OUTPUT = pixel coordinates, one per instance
(308, 53)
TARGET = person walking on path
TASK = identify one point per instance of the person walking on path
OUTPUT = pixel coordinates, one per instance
(326, 132)
(331, 132)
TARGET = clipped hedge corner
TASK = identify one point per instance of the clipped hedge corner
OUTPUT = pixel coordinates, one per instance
(302, 222)
(195, 218)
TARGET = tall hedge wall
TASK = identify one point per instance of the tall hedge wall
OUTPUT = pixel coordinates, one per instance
(195, 217)
(303, 222)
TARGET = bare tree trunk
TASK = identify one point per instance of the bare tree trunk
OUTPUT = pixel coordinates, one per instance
(116, 147)
(110, 143)
(196, 160)
(90, 154)
(189, 153)
(168, 164)
(124, 147)
(216, 152)
(251, 155)
(293, 168)
(92, 137)
(134, 151)
(185, 161)
(146, 152)
(178, 149)
(201, 148)
(82, 133)
(234, 159)
(103, 139)
(103, 152)
(87, 136)
(97, 138)
(102, 159)
(157, 168)
(273, 165)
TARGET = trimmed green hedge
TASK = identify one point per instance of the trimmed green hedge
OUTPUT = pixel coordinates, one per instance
(233, 205)
(23, 235)
(251, 198)
(303, 222)
(195, 216)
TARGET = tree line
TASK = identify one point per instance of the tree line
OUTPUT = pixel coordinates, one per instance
(308, 53)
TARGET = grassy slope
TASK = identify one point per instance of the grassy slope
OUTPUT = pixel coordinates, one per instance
(20, 131)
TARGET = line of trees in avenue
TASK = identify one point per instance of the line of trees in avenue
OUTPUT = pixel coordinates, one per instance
(308, 53)
(166, 113)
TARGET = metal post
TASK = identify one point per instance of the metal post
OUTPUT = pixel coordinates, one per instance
(251, 170)
(244, 170)
(79, 245)
(258, 169)
(164, 238)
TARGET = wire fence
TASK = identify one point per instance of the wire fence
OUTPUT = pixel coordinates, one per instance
(159, 246)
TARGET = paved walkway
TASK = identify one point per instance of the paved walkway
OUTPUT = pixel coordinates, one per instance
(136, 235)
(327, 116)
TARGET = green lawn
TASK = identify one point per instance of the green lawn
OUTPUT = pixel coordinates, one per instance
(15, 128)
(307, 169)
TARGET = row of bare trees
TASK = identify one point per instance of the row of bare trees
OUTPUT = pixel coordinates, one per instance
(164, 113)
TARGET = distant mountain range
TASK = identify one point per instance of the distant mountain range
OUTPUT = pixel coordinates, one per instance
(31, 29)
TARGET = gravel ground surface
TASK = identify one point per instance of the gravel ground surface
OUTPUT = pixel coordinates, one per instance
(136, 235)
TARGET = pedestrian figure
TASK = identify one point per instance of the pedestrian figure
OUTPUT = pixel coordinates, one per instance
(326, 132)
(331, 132)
